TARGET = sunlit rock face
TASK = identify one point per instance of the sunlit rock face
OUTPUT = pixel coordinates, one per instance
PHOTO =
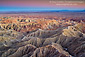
(74, 31)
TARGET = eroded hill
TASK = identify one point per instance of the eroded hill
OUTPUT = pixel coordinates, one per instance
(46, 43)
(35, 37)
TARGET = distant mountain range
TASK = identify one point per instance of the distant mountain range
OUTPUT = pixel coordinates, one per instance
(22, 12)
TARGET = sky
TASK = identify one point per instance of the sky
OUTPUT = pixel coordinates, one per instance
(41, 5)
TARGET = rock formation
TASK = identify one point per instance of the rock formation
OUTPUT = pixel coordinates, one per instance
(74, 31)
(50, 51)
(41, 38)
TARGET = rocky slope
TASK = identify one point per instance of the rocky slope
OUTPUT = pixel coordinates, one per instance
(63, 42)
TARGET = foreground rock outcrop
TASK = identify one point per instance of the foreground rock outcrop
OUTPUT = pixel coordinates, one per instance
(31, 51)
(54, 50)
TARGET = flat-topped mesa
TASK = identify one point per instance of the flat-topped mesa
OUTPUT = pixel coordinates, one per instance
(74, 31)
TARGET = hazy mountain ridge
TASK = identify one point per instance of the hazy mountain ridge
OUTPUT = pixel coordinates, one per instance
(26, 12)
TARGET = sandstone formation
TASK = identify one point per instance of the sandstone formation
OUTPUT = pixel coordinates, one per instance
(26, 37)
